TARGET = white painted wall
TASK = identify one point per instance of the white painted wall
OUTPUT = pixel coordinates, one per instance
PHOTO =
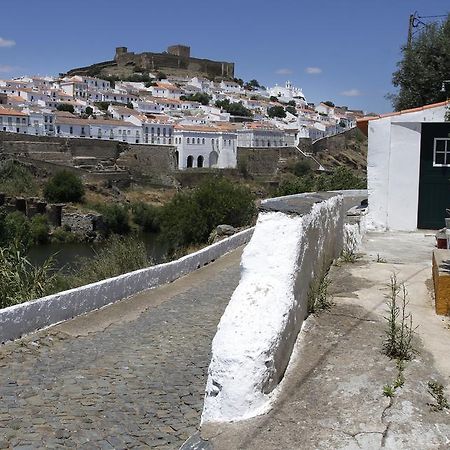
(257, 332)
(393, 168)
(18, 320)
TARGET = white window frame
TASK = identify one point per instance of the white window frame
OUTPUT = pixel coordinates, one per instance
(446, 152)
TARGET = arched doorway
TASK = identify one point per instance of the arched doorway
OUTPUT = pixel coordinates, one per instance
(213, 158)
(177, 159)
(200, 160)
(190, 161)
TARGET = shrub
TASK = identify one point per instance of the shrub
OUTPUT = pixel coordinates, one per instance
(116, 218)
(276, 111)
(64, 186)
(20, 281)
(16, 179)
(39, 229)
(291, 184)
(119, 255)
(190, 217)
(65, 107)
(302, 168)
(17, 229)
(89, 111)
(147, 216)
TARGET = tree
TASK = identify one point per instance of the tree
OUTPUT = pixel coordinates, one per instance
(89, 111)
(425, 64)
(329, 103)
(65, 107)
(291, 109)
(64, 186)
(235, 109)
(199, 97)
(273, 98)
(254, 83)
(276, 111)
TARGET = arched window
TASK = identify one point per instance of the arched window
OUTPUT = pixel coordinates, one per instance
(203, 140)
(188, 141)
(198, 140)
(200, 161)
(177, 158)
(190, 161)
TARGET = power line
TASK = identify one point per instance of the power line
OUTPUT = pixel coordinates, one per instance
(431, 17)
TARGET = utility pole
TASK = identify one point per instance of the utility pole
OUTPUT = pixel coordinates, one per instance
(412, 24)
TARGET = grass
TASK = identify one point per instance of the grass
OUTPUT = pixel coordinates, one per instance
(319, 299)
(436, 390)
(380, 259)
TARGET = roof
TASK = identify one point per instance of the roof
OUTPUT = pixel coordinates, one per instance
(202, 128)
(11, 112)
(363, 122)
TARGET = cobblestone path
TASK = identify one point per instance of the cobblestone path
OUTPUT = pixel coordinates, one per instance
(128, 376)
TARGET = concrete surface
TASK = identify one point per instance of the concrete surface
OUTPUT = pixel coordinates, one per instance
(130, 375)
(332, 394)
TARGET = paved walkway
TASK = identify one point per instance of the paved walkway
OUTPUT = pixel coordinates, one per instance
(131, 375)
(332, 395)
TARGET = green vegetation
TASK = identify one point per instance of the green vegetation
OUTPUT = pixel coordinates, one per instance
(276, 111)
(291, 110)
(65, 107)
(17, 229)
(20, 281)
(302, 168)
(89, 111)
(436, 390)
(15, 179)
(340, 178)
(146, 216)
(64, 186)
(319, 298)
(190, 217)
(115, 216)
(235, 109)
(400, 331)
(199, 97)
(120, 255)
(329, 103)
(425, 64)
(39, 229)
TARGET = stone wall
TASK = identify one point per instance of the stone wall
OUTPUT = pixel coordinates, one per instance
(84, 224)
(265, 161)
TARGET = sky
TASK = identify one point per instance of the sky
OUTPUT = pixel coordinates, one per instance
(344, 51)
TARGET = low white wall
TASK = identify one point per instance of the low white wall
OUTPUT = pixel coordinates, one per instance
(18, 320)
(258, 330)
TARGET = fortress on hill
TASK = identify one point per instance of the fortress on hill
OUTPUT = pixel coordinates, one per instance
(177, 60)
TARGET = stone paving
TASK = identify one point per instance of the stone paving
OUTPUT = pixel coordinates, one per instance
(136, 383)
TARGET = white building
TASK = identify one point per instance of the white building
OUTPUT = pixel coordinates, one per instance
(205, 146)
(408, 168)
(13, 121)
(257, 134)
(288, 93)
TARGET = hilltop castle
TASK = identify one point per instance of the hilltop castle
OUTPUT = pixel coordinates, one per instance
(176, 60)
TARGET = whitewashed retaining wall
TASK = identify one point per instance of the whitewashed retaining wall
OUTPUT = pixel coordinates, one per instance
(18, 320)
(257, 332)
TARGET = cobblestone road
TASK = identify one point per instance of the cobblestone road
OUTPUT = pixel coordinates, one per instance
(128, 376)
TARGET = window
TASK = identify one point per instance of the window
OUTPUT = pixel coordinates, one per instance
(203, 140)
(188, 141)
(71, 130)
(198, 140)
(441, 152)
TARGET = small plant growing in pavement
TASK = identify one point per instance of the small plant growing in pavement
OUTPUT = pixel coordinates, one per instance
(436, 390)
(349, 256)
(380, 259)
(400, 330)
(388, 391)
(319, 299)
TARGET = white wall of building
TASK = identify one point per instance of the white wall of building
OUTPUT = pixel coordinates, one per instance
(393, 168)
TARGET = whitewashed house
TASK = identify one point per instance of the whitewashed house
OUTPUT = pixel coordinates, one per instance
(166, 90)
(13, 121)
(288, 93)
(408, 168)
(257, 134)
(205, 146)
(229, 86)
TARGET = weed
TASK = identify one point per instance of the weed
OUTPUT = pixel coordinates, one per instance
(400, 331)
(436, 390)
(349, 256)
(380, 259)
(388, 391)
(319, 298)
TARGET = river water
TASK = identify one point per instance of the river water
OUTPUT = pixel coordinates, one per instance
(66, 255)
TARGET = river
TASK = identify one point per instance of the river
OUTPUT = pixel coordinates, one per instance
(66, 255)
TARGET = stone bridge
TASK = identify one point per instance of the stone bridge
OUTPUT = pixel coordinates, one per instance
(129, 375)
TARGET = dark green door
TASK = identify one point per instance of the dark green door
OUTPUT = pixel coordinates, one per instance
(434, 182)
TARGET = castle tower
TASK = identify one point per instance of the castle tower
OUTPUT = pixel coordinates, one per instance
(120, 51)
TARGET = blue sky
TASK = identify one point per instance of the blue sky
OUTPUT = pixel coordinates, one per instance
(344, 51)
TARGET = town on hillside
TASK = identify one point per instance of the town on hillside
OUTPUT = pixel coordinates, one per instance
(206, 118)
